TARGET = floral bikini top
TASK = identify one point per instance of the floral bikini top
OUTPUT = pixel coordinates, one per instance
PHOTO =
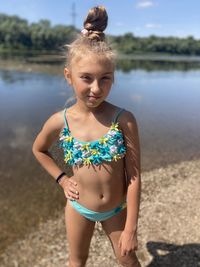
(110, 147)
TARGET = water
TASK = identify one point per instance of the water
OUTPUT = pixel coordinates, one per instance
(166, 104)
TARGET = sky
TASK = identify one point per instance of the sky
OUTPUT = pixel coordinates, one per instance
(179, 18)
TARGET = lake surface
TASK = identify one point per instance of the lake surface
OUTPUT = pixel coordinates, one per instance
(165, 102)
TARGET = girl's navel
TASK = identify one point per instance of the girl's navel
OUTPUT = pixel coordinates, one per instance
(101, 196)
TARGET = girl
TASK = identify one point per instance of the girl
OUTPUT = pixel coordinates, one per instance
(101, 145)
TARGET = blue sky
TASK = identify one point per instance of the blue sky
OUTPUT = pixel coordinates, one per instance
(141, 17)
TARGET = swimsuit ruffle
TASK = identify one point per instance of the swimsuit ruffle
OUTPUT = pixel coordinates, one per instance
(108, 148)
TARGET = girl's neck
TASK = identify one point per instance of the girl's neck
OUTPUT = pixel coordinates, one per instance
(87, 110)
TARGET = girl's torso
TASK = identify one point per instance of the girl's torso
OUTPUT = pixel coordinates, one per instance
(97, 165)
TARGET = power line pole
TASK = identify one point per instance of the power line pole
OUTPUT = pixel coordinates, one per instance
(73, 14)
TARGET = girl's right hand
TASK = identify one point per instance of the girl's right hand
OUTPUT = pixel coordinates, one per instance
(69, 187)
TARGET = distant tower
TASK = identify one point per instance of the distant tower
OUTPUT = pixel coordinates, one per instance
(73, 14)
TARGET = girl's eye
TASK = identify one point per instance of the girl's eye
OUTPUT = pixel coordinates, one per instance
(85, 78)
(106, 78)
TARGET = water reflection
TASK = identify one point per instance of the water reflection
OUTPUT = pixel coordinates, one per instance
(13, 77)
(128, 65)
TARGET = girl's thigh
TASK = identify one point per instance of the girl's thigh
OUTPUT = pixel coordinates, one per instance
(79, 232)
(113, 228)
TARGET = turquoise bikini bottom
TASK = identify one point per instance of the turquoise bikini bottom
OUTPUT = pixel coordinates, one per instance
(94, 215)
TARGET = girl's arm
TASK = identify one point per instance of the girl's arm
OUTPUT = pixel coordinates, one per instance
(132, 166)
(50, 133)
(133, 171)
(44, 140)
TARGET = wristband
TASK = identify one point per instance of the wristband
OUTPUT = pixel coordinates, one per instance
(60, 176)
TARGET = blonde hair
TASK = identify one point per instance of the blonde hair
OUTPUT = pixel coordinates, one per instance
(93, 41)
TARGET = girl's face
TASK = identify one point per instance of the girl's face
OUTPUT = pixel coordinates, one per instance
(91, 77)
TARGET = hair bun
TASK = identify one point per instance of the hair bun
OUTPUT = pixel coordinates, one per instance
(96, 22)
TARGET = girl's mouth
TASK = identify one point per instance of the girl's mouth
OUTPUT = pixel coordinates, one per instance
(93, 97)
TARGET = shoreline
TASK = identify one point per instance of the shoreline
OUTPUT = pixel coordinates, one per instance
(168, 226)
(54, 64)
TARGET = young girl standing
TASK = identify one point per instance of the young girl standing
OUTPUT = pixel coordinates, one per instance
(100, 143)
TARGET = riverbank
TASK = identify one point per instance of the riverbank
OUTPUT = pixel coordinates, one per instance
(168, 227)
(54, 63)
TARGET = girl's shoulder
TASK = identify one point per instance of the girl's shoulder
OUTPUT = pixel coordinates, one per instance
(123, 115)
(57, 117)
(55, 122)
(127, 121)
(127, 116)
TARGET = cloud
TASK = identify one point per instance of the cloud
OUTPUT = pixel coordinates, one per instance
(145, 4)
(153, 26)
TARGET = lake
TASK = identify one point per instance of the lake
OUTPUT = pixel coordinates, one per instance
(164, 97)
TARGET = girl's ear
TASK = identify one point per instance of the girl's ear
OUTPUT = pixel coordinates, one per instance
(67, 75)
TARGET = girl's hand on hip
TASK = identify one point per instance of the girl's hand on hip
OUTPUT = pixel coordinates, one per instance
(69, 187)
(128, 242)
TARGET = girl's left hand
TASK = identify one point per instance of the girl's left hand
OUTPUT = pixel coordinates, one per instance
(128, 242)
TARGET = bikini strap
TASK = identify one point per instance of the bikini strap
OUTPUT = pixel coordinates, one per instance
(117, 115)
(65, 119)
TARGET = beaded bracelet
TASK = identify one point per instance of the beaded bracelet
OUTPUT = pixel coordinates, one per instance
(60, 176)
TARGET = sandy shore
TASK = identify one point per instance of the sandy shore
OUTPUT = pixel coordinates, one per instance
(168, 231)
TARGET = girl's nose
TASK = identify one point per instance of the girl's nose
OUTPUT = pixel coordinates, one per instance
(95, 87)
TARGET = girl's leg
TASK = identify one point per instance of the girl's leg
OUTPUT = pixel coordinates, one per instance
(113, 228)
(79, 234)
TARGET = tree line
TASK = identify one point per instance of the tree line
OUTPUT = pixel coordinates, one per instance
(17, 33)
